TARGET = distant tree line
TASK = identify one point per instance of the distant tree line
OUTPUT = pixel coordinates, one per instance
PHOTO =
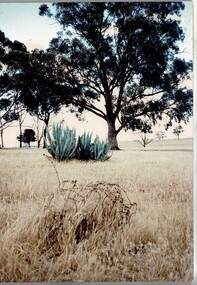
(123, 55)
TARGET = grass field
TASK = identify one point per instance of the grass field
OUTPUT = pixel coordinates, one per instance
(156, 244)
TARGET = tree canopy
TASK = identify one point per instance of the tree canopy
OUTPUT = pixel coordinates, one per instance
(11, 54)
(119, 61)
(40, 89)
(125, 55)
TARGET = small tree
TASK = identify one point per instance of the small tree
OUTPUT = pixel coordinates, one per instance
(160, 135)
(177, 131)
(27, 136)
(145, 129)
(39, 130)
(5, 122)
(144, 140)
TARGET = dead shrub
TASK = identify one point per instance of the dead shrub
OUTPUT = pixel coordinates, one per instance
(96, 207)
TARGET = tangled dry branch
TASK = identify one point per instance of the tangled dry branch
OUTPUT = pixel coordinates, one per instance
(90, 209)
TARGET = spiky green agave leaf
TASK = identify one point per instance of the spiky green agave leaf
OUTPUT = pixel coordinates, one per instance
(101, 149)
(84, 146)
(62, 144)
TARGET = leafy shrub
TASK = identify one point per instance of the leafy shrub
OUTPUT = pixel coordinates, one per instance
(62, 144)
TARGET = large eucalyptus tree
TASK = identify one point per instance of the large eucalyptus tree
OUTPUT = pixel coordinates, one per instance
(126, 55)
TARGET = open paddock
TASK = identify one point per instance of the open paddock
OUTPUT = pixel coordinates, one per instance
(156, 244)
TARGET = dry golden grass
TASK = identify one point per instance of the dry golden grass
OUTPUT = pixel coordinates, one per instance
(37, 242)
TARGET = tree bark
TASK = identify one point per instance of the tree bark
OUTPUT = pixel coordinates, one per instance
(46, 121)
(2, 142)
(112, 135)
(44, 138)
(45, 133)
(20, 128)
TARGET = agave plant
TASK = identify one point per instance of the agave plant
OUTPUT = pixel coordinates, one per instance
(84, 146)
(62, 144)
(100, 149)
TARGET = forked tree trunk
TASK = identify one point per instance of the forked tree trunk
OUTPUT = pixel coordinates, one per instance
(38, 136)
(112, 135)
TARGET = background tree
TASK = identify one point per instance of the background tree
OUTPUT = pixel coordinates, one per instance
(160, 135)
(125, 56)
(144, 131)
(5, 122)
(177, 131)
(39, 131)
(27, 137)
(39, 86)
(11, 54)
(21, 117)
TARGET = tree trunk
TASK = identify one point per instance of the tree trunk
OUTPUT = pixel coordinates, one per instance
(46, 121)
(44, 138)
(20, 141)
(38, 136)
(2, 142)
(112, 135)
(45, 131)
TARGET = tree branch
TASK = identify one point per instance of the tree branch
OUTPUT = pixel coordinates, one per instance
(89, 107)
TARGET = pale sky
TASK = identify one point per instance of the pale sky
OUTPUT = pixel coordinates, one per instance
(21, 21)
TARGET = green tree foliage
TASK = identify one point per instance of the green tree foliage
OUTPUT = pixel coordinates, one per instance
(39, 86)
(27, 137)
(29, 79)
(125, 56)
(11, 53)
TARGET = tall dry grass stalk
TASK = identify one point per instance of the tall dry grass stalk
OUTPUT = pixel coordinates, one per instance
(84, 230)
